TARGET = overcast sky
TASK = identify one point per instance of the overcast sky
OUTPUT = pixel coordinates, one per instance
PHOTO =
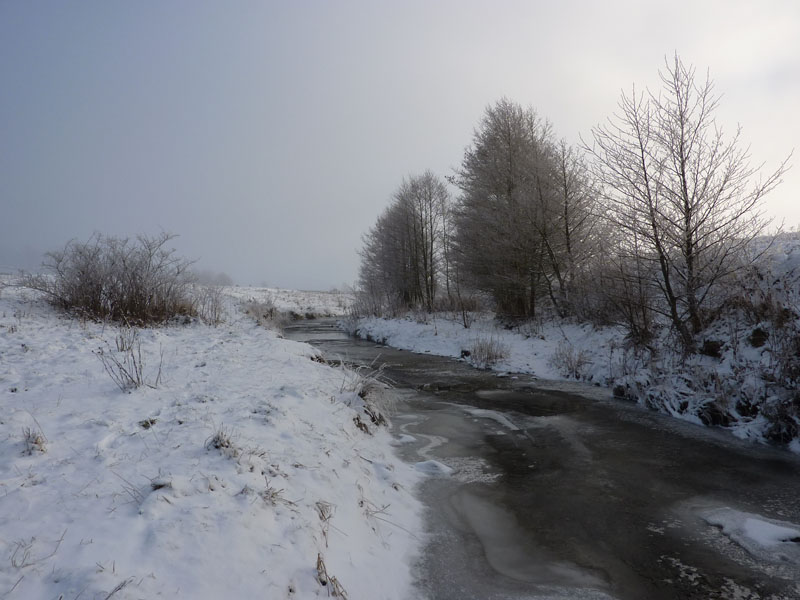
(270, 135)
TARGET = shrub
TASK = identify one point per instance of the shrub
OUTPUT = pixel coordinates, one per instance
(137, 282)
(783, 417)
(486, 352)
(266, 314)
(209, 304)
(569, 362)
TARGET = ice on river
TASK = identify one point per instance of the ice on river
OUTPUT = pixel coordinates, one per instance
(494, 415)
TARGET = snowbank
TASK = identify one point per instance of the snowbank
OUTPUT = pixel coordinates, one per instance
(705, 390)
(243, 473)
(763, 538)
(532, 349)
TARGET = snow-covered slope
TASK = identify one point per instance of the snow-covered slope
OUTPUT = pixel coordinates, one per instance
(244, 473)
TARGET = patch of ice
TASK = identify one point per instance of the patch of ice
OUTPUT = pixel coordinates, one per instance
(494, 415)
(469, 469)
(433, 467)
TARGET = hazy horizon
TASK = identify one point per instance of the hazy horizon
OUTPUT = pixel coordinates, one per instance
(269, 136)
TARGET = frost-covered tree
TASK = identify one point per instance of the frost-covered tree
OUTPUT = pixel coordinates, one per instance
(683, 193)
(402, 259)
(571, 233)
(522, 220)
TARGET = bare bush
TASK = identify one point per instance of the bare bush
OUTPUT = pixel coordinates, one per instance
(266, 314)
(209, 302)
(487, 352)
(126, 339)
(570, 362)
(139, 281)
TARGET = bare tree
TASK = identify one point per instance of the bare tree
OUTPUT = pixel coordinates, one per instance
(683, 191)
(569, 227)
(403, 253)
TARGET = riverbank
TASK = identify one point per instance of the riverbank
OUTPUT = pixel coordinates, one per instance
(242, 466)
(733, 387)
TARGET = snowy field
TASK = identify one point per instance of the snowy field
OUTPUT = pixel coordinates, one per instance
(240, 469)
(301, 303)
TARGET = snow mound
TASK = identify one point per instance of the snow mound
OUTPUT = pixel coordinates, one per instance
(760, 536)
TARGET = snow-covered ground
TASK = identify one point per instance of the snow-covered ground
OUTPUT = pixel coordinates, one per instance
(301, 303)
(530, 351)
(243, 472)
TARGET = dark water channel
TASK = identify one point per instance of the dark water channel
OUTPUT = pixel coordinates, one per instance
(546, 490)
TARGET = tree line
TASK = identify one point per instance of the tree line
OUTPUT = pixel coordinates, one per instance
(649, 219)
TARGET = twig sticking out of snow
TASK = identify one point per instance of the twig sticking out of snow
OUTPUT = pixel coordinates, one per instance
(332, 584)
(325, 510)
(119, 587)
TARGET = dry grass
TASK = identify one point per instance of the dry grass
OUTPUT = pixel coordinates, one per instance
(222, 440)
(266, 314)
(330, 583)
(373, 387)
(126, 366)
(569, 362)
(487, 352)
(325, 510)
(35, 440)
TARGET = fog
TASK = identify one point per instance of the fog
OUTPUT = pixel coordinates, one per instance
(269, 136)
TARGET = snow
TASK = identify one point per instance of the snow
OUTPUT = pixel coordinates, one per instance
(320, 304)
(227, 479)
(768, 534)
(759, 535)
(530, 351)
